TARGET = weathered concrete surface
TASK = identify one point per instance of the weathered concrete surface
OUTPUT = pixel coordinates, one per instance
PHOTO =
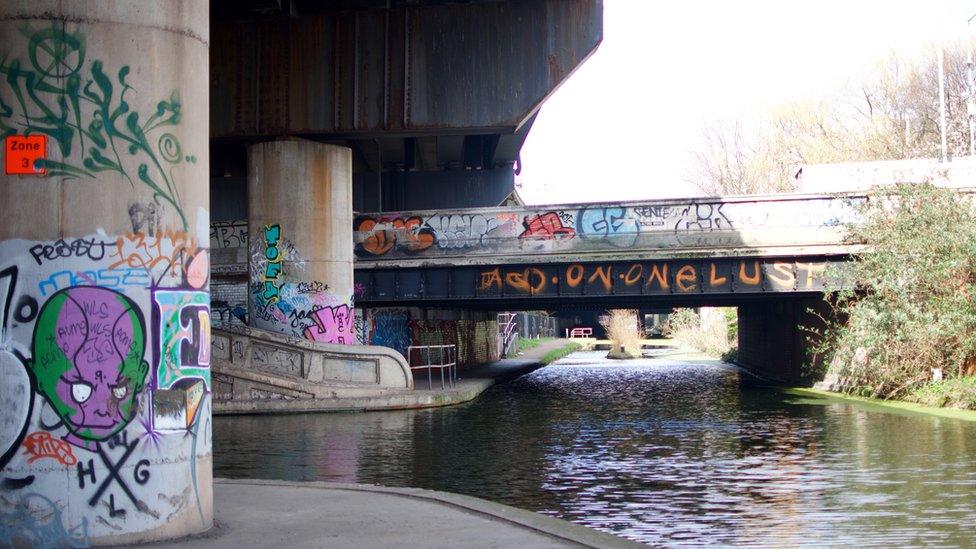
(300, 220)
(471, 384)
(752, 226)
(256, 513)
(104, 273)
(257, 370)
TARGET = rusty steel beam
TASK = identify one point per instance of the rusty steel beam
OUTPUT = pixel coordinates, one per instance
(403, 71)
(643, 281)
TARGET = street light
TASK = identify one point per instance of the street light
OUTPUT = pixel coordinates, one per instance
(971, 84)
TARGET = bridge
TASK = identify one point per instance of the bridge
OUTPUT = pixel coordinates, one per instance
(682, 251)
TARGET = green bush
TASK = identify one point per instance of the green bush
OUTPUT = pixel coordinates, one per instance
(731, 355)
(913, 308)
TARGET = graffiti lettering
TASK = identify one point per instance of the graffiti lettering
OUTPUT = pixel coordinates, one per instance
(116, 279)
(41, 445)
(612, 224)
(490, 279)
(92, 249)
(332, 325)
(547, 226)
(272, 270)
(531, 280)
(461, 231)
(183, 338)
(231, 234)
(687, 276)
(377, 237)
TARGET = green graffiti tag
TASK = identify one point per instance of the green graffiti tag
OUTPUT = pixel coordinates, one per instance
(58, 93)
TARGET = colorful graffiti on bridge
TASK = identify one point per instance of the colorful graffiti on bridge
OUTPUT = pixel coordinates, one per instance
(379, 236)
(678, 276)
(548, 226)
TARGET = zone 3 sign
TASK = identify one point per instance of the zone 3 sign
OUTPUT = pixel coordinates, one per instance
(21, 152)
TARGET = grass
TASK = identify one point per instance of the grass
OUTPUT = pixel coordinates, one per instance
(898, 405)
(556, 354)
(526, 344)
(959, 392)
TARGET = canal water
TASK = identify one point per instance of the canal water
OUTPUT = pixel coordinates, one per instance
(666, 453)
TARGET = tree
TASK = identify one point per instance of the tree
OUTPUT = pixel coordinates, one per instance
(892, 113)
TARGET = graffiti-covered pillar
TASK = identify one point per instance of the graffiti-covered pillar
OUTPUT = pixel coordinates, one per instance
(301, 251)
(104, 272)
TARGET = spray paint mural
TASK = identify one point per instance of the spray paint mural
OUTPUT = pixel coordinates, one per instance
(104, 337)
(600, 227)
(284, 301)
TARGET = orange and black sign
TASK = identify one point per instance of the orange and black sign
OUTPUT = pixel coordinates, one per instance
(21, 153)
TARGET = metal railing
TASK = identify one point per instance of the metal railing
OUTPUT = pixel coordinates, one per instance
(446, 359)
(508, 333)
(579, 332)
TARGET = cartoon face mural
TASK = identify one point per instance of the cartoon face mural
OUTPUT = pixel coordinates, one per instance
(88, 360)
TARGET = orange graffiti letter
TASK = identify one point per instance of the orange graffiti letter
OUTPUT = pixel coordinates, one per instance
(686, 278)
(660, 274)
(574, 275)
(716, 281)
(489, 279)
(604, 274)
(752, 280)
(631, 277)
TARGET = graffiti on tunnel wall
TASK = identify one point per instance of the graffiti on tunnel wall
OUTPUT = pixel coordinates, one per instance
(663, 225)
(104, 337)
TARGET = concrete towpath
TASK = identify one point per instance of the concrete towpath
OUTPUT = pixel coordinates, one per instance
(255, 513)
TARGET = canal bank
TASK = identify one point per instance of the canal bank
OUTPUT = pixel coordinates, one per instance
(427, 392)
(260, 513)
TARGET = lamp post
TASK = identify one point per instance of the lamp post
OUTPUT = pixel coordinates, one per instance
(971, 84)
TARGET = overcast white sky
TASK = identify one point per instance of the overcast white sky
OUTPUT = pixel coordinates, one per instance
(623, 125)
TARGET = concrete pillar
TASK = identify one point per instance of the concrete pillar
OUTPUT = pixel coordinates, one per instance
(104, 291)
(301, 250)
(776, 341)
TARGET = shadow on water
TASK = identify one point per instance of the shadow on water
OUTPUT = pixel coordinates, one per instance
(661, 452)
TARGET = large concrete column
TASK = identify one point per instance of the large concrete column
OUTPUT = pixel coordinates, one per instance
(301, 249)
(104, 296)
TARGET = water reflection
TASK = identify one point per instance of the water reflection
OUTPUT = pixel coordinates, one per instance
(671, 453)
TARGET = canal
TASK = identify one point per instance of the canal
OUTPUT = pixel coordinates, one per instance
(663, 452)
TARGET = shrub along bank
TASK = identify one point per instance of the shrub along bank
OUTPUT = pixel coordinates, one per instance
(912, 317)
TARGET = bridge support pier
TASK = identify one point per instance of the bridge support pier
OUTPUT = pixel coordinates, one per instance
(300, 231)
(772, 341)
(104, 273)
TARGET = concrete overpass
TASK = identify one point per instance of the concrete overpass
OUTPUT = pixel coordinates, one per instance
(683, 251)
(130, 127)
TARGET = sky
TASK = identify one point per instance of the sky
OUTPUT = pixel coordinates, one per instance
(623, 126)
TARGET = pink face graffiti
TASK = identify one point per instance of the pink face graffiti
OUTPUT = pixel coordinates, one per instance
(88, 359)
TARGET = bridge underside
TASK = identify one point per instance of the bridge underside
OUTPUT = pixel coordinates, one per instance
(681, 282)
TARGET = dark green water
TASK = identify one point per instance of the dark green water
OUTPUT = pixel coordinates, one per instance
(671, 454)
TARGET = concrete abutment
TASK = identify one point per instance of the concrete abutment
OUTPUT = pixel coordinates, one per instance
(105, 408)
(777, 337)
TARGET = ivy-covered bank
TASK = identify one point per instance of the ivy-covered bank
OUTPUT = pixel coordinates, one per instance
(907, 330)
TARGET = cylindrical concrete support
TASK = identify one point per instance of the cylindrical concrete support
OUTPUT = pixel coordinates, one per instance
(300, 231)
(104, 272)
